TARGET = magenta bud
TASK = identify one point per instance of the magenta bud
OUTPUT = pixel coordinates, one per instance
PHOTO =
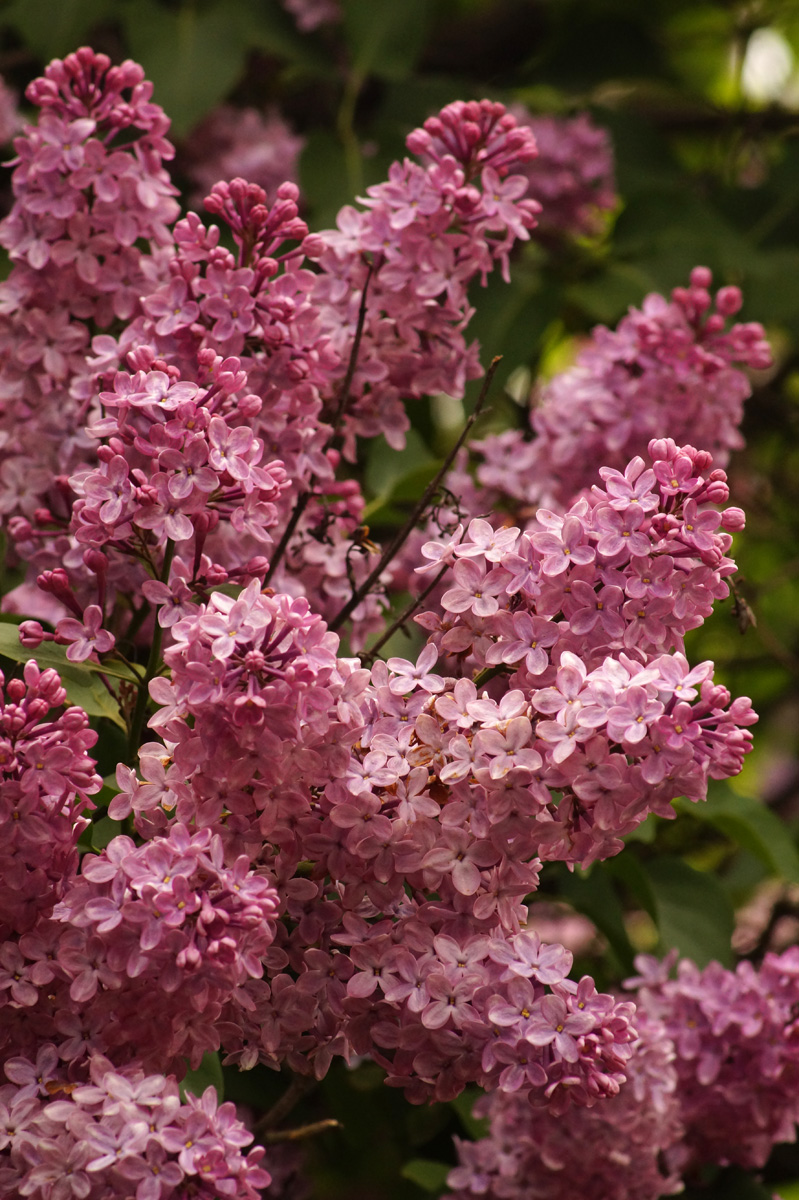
(729, 300)
(701, 277)
(31, 634)
(733, 519)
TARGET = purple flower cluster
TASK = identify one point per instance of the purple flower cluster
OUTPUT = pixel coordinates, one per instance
(118, 1132)
(430, 230)
(168, 919)
(410, 779)
(328, 860)
(585, 614)
(736, 1041)
(241, 143)
(712, 1079)
(85, 210)
(672, 368)
(255, 339)
(46, 777)
(613, 1151)
(572, 176)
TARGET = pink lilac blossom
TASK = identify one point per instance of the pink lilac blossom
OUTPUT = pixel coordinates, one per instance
(117, 1131)
(168, 922)
(244, 143)
(728, 1027)
(410, 776)
(429, 230)
(573, 174)
(279, 335)
(86, 238)
(46, 777)
(265, 725)
(712, 1079)
(330, 861)
(529, 1154)
(671, 369)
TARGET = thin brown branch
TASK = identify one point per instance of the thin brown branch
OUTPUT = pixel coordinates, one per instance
(346, 383)
(299, 1087)
(419, 509)
(338, 416)
(405, 615)
(301, 1132)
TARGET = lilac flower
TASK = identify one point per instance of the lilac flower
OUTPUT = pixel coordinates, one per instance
(87, 637)
(553, 1024)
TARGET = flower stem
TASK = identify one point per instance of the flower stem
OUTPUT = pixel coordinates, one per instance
(153, 664)
(399, 540)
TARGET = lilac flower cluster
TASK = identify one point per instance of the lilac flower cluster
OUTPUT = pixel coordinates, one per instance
(46, 777)
(411, 779)
(712, 1079)
(573, 174)
(167, 919)
(530, 1154)
(728, 1027)
(328, 860)
(671, 368)
(430, 231)
(586, 615)
(84, 213)
(255, 338)
(119, 1132)
(241, 143)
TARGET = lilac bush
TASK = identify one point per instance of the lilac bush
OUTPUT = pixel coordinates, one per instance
(323, 858)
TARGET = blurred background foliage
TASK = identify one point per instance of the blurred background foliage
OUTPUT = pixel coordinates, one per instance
(701, 101)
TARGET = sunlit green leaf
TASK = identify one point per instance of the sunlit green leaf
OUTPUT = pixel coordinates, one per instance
(80, 679)
(208, 1074)
(429, 1175)
(752, 826)
(103, 831)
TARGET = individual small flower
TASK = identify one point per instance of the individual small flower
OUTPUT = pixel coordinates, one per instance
(407, 677)
(87, 637)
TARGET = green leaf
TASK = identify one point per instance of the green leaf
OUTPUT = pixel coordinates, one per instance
(595, 895)
(425, 1173)
(271, 29)
(752, 826)
(193, 58)
(787, 1191)
(693, 912)
(51, 655)
(645, 832)
(323, 177)
(476, 1127)
(208, 1074)
(80, 679)
(103, 832)
(627, 868)
(607, 295)
(386, 38)
(55, 29)
(385, 468)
